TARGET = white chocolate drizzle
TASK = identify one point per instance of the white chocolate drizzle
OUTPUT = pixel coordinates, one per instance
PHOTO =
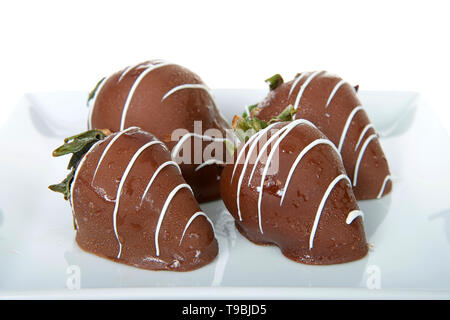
(117, 136)
(122, 182)
(299, 158)
(263, 149)
(208, 163)
(101, 86)
(188, 86)
(258, 135)
(191, 219)
(94, 99)
(302, 89)
(195, 86)
(164, 209)
(125, 72)
(241, 153)
(150, 67)
(383, 186)
(247, 110)
(347, 125)
(155, 174)
(363, 132)
(183, 139)
(360, 156)
(334, 91)
(322, 204)
(294, 84)
(352, 215)
(288, 129)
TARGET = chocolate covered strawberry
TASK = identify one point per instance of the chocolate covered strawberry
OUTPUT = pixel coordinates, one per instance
(175, 105)
(288, 187)
(131, 204)
(333, 106)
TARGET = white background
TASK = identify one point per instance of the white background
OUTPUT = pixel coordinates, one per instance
(381, 45)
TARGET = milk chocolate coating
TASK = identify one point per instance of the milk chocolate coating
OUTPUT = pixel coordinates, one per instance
(312, 93)
(135, 224)
(289, 224)
(160, 97)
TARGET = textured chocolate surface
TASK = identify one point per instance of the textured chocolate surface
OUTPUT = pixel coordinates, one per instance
(303, 230)
(333, 106)
(160, 97)
(121, 217)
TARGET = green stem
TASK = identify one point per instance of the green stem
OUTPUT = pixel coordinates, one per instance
(274, 81)
(92, 93)
(244, 127)
(78, 145)
(250, 111)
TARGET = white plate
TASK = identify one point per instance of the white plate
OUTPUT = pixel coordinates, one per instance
(410, 229)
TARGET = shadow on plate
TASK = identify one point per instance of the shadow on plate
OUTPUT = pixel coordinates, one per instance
(375, 212)
(99, 272)
(444, 214)
(2, 219)
(57, 115)
(38, 119)
(235, 265)
(400, 124)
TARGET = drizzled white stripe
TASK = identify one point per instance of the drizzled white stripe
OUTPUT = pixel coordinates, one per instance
(91, 108)
(122, 182)
(263, 149)
(288, 129)
(155, 174)
(360, 156)
(296, 81)
(163, 212)
(322, 204)
(208, 163)
(333, 92)
(125, 72)
(195, 86)
(363, 132)
(187, 86)
(117, 136)
(134, 87)
(302, 89)
(352, 215)
(154, 61)
(183, 139)
(247, 110)
(347, 125)
(241, 153)
(191, 219)
(78, 169)
(244, 168)
(299, 158)
(386, 179)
